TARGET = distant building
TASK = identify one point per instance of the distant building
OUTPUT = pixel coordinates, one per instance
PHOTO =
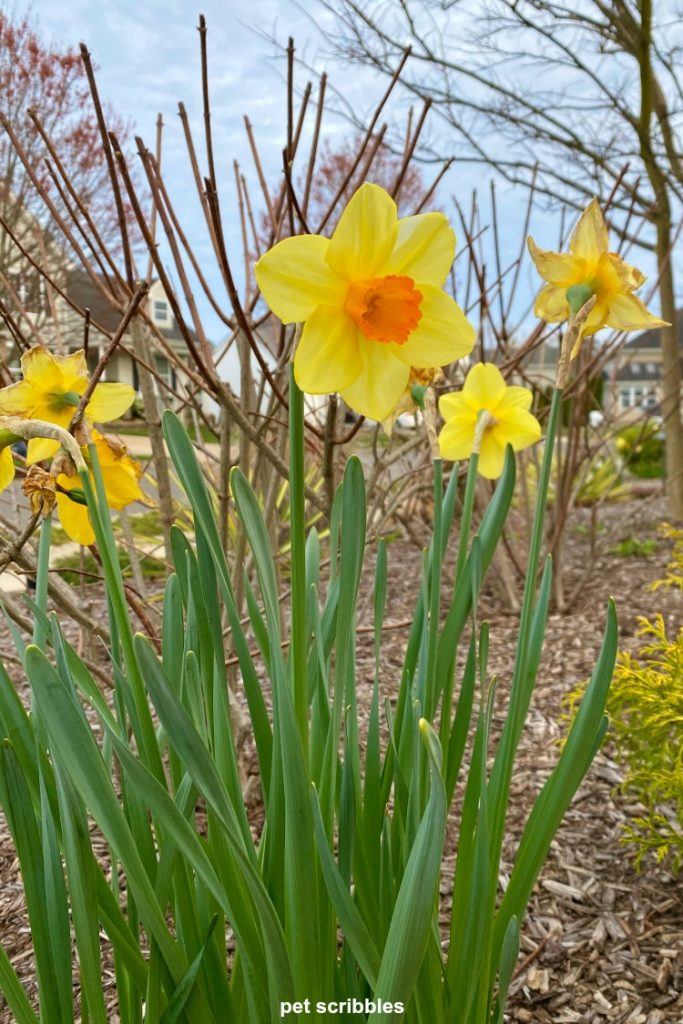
(61, 328)
(634, 382)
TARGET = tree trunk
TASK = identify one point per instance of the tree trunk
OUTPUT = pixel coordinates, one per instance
(671, 373)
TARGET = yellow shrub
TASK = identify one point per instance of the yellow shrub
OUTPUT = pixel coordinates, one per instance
(646, 712)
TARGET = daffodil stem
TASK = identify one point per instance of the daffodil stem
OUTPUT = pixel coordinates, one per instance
(514, 722)
(297, 652)
(434, 606)
(42, 575)
(466, 517)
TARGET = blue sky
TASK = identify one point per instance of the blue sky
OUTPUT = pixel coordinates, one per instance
(148, 57)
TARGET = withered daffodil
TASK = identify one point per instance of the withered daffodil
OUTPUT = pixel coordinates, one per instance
(371, 299)
(120, 474)
(601, 273)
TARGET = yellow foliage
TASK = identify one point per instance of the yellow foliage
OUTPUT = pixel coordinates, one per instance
(646, 712)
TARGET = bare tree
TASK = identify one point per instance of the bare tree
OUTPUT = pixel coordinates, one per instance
(560, 96)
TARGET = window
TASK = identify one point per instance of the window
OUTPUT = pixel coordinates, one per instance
(652, 368)
(624, 398)
(161, 311)
(635, 367)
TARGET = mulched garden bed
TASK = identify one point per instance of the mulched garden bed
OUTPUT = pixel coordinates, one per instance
(601, 942)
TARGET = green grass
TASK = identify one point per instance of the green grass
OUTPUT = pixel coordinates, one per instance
(634, 547)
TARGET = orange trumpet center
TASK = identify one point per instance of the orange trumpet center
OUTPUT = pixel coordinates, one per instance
(386, 308)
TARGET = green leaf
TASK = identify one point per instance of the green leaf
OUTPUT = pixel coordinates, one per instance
(416, 903)
(13, 992)
(177, 1003)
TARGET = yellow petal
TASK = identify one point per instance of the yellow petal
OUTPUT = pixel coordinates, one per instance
(380, 384)
(491, 455)
(41, 369)
(365, 235)
(557, 268)
(595, 320)
(121, 486)
(109, 401)
(630, 276)
(40, 448)
(484, 387)
(17, 399)
(517, 427)
(551, 304)
(589, 237)
(514, 398)
(74, 371)
(6, 468)
(628, 313)
(294, 278)
(328, 355)
(457, 436)
(73, 516)
(443, 334)
(424, 249)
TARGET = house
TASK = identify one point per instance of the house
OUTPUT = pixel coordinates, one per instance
(634, 378)
(60, 327)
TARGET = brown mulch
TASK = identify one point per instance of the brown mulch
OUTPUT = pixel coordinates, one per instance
(601, 943)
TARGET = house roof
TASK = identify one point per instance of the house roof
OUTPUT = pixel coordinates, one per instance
(82, 290)
(651, 339)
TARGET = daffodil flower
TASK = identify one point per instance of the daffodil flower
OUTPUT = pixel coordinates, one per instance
(120, 475)
(51, 390)
(372, 301)
(603, 274)
(508, 422)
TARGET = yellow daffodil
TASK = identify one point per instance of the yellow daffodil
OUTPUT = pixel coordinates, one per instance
(603, 274)
(51, 390)
(509, 420)
(121, 476)
(6, 468)
(372, 301)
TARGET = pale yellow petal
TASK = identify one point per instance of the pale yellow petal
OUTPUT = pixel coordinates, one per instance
(6, 468)
(629, 313)
(17, 399)
(589, 237)
(109, 401)
(380, 384)
(42, 370)
(365, 235)
(74, 371)
(491, 455)
(328, 355)
(295, 278)
(484, 387)
(40, 448)
(74, 517)
(558, 268)
(424, 249)
(443, 334)
(629, 275)
(551, 304)
(457, 437)
(595, 319)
